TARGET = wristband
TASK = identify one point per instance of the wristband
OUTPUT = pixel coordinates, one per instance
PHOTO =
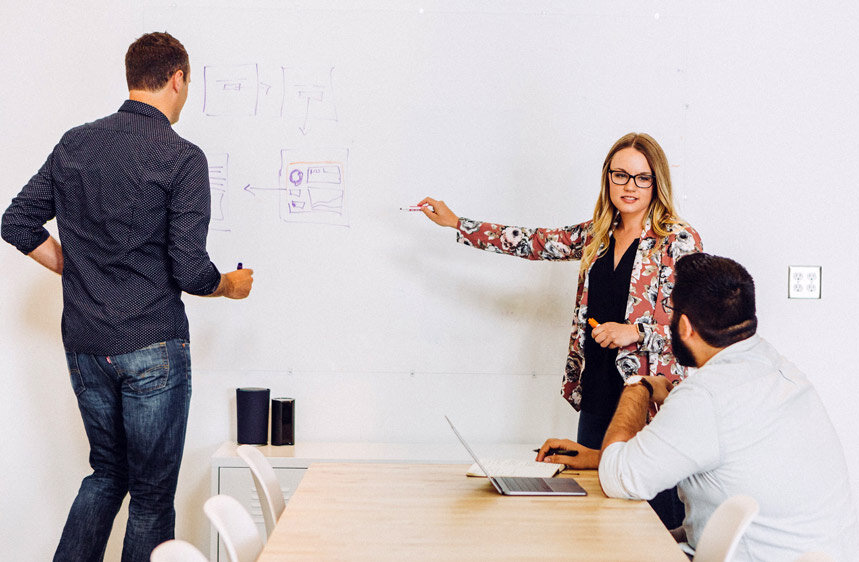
(638, 379)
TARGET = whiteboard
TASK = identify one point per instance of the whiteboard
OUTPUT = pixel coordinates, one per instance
(319, 124)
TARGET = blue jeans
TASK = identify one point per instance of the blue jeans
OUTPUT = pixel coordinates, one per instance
(135, 411)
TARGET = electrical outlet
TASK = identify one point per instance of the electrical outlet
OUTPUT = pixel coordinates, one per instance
(803, 281)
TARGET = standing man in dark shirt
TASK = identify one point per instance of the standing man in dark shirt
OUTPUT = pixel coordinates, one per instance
(131, 199)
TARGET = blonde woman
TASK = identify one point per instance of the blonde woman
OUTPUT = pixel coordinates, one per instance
(627, 254)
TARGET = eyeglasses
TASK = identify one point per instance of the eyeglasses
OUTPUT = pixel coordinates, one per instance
(668, 305)
(618, 177)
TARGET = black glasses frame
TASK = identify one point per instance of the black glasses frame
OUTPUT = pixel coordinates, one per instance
(633, 178)
(668, 306)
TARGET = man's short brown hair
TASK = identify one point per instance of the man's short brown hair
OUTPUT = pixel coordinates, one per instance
(152, 59)
(717, 295)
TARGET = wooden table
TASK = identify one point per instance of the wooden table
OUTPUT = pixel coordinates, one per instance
(409, 512)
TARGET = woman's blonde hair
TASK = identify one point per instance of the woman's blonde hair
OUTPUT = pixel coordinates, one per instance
(661, 211)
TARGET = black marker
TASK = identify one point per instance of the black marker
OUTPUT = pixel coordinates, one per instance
(554, 451)
(239, 266)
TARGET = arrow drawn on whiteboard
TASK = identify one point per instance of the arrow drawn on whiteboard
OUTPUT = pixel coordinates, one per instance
(250, 189)
(310, 93)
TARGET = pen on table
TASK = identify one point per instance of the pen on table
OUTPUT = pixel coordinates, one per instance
(554, 451)
(413, 208)
(239, 266)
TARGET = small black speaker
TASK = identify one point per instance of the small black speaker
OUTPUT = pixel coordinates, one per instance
(252, 416)
(283, 421)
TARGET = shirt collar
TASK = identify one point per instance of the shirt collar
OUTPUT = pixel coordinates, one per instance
(739, 347)
(140, 108)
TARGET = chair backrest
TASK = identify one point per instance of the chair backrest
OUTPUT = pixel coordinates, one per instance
(268, 488)
(177, 551)
(238, 532)
(815, 557)
(723, 530)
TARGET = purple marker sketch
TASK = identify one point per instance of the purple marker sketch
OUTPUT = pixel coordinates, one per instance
(314, 186)
(323, 191)
(231, 89)
(308, 96)
(218, 180)
(303, 96)
(296, 176)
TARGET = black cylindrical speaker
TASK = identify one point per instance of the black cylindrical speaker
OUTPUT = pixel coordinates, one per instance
(252, 416)
(283, 421)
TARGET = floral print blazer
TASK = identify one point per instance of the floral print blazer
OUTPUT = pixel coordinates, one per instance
(649, 289)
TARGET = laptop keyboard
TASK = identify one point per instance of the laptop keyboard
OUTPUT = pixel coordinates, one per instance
(525, 484)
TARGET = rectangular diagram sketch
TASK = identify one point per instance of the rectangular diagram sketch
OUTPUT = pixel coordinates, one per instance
(313, 189)
(218, 175)
(304, 97)
(308, 96)
(231, 89)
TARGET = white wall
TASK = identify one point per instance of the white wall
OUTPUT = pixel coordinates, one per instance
(764, 160)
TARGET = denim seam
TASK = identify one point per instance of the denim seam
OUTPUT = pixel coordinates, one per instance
(75, 372)
(163, 366)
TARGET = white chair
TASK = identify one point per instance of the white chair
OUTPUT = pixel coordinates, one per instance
(268, 488)
(234, 524)
(177, 551)
(723, 530)
(815, 557)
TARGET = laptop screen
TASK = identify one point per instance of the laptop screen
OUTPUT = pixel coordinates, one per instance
(470, 452)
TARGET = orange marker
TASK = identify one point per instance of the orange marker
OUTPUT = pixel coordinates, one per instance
(593, 323)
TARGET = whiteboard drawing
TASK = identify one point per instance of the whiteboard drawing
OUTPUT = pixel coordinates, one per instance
(218, 175)
(231, 89)
(308, 96)
(314, 189)
(304, 96)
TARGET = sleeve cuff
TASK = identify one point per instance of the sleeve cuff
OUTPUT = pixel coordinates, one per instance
(609, 472)
(460, 235)
(216, 281)
(27, 244)
(204, 285)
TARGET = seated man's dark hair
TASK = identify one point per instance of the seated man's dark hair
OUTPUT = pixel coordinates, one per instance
(718, 296)
(152, 59)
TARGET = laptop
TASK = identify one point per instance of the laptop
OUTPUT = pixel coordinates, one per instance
(522, 486)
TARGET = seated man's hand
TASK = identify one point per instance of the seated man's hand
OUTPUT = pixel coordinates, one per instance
(661, 387)
(584, 458)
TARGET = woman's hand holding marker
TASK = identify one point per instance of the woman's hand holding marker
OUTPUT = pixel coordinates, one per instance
(613, 334)
(438, 212)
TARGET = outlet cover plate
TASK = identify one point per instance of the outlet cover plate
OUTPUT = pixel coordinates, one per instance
(804, 281)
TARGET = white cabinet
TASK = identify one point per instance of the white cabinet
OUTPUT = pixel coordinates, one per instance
(237, 482)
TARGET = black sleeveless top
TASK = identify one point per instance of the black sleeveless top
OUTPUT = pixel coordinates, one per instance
(608, 292)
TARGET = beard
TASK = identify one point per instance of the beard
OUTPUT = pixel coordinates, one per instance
(681, 351)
